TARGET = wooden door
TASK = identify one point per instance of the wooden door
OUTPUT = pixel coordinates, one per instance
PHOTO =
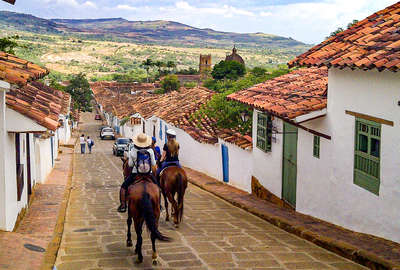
(28, 164)
(225, 162)
(289, 168)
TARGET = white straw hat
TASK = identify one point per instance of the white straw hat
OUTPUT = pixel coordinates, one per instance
(142, 140)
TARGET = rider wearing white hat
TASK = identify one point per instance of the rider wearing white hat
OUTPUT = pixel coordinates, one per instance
(170, 152)
(140, 142)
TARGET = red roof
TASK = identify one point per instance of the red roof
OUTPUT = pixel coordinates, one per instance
(175, 107)
(288, 96)
(18, 71)
(371, 43)
(38, 102)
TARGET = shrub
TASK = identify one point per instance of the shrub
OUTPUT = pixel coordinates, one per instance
(231, 70)
(170, 83)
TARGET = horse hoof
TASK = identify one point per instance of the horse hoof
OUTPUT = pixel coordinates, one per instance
(176, 225)
(166, 219)
(129, 243)
(155, 262)
(138, 261)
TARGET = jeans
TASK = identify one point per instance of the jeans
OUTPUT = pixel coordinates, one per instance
(90, 149)
(82, 148)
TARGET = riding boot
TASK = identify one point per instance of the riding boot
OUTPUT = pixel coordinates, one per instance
(122, 199)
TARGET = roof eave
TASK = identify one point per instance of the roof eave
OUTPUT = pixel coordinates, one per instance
(310, 116)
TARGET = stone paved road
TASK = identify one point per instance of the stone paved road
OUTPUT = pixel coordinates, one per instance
(214, 234)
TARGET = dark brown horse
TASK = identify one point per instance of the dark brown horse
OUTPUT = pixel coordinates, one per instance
(173, 180)
(143, 207)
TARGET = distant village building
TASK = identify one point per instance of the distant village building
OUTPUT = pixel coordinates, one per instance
(205, 63)
(234, 56)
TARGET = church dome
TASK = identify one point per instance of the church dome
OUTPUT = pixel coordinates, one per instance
(234, 56)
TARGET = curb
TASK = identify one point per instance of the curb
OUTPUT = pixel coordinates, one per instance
(339, 247)
(54, 245)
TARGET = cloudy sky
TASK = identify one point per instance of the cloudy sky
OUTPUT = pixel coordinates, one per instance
(305, 20)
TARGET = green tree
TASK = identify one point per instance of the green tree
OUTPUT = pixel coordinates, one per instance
(8, 44)
(147, 64)
(258, 71)
(159, 65)
(340, 29)
(231, 70)
(79, 89)
(170, 83)
(171, 65)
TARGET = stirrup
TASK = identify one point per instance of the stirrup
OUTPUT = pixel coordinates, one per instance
(121, 208)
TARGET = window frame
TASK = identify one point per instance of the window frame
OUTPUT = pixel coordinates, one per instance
(366, 170)
(264, 124)
(316, 146)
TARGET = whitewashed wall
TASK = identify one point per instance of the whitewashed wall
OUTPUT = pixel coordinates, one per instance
(65, 131)
(43, 157)
(13, 207)
(267, 166)
(325, 186)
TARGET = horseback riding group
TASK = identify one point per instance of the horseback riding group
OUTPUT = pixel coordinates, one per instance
(140, 193)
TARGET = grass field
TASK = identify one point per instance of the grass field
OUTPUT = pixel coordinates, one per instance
(65, 55)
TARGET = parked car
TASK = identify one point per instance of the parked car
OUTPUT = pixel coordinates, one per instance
(120, 146)
(97, 117)
(101, 128)
(107, 133)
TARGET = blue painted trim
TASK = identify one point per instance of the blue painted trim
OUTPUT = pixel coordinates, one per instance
(225, 162)
(160, 133)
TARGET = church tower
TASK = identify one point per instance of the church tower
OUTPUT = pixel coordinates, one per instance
(205, 63)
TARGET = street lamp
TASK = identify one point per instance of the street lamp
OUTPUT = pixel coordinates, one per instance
(244, 116)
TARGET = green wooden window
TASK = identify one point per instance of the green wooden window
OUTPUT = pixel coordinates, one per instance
(316, 146)
(367, 155)
(264, 132)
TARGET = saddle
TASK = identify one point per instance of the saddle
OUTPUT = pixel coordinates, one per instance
(142, 177)
(172, 164)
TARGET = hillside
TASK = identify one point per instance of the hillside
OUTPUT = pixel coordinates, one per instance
(147, 32)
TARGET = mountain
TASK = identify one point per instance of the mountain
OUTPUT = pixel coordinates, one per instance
(146, 32)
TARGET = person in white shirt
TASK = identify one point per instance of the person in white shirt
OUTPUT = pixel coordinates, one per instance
(90, 143)
(142, 146)
(83, 143)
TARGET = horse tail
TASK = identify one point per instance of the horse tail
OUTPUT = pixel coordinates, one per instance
(147, 210)
(181, 193)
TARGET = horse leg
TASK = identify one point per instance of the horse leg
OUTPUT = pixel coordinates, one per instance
(129, 240)
(166, 205)
(153, 245)
(174, 208)
(139, 240)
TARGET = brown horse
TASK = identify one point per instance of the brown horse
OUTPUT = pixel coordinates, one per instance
(173, 180)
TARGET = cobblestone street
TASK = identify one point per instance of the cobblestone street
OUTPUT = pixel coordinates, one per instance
(213, 235)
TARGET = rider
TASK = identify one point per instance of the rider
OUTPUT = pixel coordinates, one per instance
(140, 142)
(156, 149)
(170, 152)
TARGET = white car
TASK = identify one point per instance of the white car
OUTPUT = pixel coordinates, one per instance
(107, 133)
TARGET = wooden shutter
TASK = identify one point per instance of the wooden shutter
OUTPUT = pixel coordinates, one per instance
(316, 145)
(264, 132)
(367, 155)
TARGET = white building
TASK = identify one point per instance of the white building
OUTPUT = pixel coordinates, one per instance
(28, 135)
(333, 154)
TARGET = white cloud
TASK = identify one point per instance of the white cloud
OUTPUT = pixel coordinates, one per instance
(126, 7)
(225, 10)
(90, 4)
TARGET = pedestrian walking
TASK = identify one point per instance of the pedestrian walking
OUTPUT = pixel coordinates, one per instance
(83, 143)
(90, 143)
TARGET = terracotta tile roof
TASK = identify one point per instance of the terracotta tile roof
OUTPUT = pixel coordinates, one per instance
(123, 87)
(176, 108)
(38, 102)
(66, 104)
(18, 71)
(76, 115)
(371, 43)
(288, 96)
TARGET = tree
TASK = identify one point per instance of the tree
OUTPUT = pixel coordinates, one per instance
(231, 70)
(170, 83)
(79, 89)
(171, 65)
(147, 64)
(159, 65)
(8, 44)
(340, 29)
(258, 71)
